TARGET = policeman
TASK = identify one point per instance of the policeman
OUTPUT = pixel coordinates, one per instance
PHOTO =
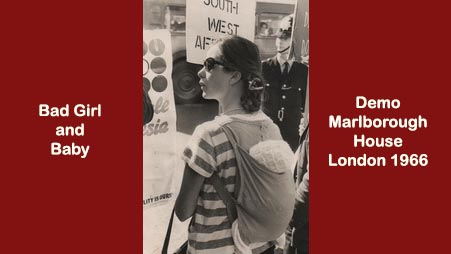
(286, 84)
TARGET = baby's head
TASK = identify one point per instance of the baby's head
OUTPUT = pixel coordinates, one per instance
(276, 155)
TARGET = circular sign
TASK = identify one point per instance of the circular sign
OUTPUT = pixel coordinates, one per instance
(145, 67)
(146, 84)
(159, 83)
(145, 49)
(158, 65)
(156, 47)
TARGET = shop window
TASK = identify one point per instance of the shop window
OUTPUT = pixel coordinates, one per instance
(268, 24)
(175, 18)
(151, 16)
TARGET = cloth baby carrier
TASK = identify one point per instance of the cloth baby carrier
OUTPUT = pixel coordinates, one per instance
(264, 199)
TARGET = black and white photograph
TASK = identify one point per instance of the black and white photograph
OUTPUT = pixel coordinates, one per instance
(225, 126)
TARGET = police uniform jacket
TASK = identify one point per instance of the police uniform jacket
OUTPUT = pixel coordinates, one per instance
(284, 99)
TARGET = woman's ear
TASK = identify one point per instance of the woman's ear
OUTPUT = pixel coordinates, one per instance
(236, 76)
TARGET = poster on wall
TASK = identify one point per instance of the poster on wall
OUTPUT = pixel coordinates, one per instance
(208, 20)
(159, 158)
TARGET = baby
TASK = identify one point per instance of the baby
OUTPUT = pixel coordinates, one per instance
(277, 156)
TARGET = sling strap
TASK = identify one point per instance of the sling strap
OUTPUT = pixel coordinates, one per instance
(182, 249)
(223, 193)
(168, 234)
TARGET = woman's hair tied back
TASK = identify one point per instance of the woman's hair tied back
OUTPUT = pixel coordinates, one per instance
(256, 84)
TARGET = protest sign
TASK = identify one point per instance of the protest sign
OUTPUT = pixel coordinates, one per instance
(301, 41)
(159, 158)
(208, 20)
(301, 32)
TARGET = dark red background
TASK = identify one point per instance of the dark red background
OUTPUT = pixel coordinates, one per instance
(89, 52)
(383, 49)
(60, 52)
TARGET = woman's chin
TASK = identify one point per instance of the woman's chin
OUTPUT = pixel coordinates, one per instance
(204, 95)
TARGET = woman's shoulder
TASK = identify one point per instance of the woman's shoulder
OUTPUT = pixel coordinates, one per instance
(258, 116)
(212, 127)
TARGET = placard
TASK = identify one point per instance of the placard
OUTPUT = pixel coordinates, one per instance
(159, 158)
(301, 32)
(208, 20)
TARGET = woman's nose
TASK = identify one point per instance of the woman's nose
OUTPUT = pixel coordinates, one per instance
(201, 73)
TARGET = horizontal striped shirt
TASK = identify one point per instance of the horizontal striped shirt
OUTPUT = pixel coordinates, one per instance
(209, 151)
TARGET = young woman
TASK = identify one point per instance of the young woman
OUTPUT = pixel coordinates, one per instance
(232, 76)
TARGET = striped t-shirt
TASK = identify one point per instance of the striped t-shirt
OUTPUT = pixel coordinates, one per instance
(209, 151)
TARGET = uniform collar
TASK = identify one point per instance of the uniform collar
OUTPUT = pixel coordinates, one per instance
(282, 62)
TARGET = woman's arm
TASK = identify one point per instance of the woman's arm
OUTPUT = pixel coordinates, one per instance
(186, 202)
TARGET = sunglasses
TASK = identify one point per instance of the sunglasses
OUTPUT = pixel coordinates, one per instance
(210, 63)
